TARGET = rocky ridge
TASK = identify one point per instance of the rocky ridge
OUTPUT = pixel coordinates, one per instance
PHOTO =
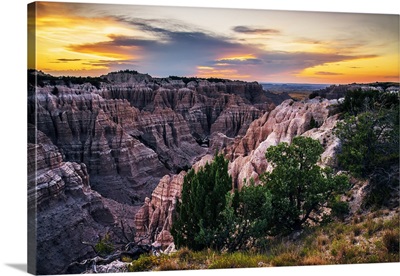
(97, 149)
(63, 209)
(313, 118)
(133, 129)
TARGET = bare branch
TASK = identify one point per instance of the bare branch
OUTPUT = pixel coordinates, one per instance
(93, 246)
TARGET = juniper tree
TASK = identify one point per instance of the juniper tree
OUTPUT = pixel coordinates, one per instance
(298, 187)
(199, 212)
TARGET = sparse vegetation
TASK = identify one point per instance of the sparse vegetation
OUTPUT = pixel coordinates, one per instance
(313, 123)
(339, 208)
(186, 80)
(289, 198)
(313, 95)
(332, 243)
(369, 137)
(133, 72)
(104, 246)
(391, 241)
(37, 78)
(145, 263)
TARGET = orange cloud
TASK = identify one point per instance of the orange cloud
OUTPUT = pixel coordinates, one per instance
(210, 72)
(367, 68)
(105, 50)
(68, 37)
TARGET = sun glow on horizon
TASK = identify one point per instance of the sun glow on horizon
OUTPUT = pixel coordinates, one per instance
(93, 39)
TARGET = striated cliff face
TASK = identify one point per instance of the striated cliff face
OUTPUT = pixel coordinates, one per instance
(64, 212)
(313, 118)
(63, 209)
(155, 216)
(133, 129)
(200, 102)
(101, 134)
(49, 177)
(95, 152)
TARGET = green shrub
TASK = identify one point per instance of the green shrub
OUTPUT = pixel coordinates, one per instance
(169, 264)
(286, 259)
(345, 253)
(377, 196)
(199, 211)
(104, 246)
(184, 254)
(391, 241)
(313, 95)
(339, 209)
(144, 263)
(238, 260)
(313, 123)
(372, 227)
(357, 230)
(392, 223)
(297, 186)
(126, 259)
(339, 229)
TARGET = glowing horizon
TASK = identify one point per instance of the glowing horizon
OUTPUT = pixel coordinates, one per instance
(251, 45)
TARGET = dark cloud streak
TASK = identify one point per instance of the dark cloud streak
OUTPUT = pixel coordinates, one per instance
(250, 30)
(69, 59)
(324, 73)
(248, 61)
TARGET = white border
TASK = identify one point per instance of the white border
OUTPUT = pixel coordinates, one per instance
(13, 125)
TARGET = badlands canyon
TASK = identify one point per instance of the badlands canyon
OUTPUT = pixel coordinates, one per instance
(112, 156)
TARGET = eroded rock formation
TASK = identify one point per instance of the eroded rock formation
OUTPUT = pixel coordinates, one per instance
(133, 129)
(155, 216)
(97, 150)
(63, 209)
(313, 118)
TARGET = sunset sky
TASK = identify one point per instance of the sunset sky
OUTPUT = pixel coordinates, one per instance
(253, 45)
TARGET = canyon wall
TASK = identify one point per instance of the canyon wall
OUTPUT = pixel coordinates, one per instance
(96, 152)
(63, 209)
(313, 118)
(134, 129)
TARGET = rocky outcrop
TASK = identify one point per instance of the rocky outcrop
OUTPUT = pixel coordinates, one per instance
(63, 209)
(97, 149)
(133, 129)
(48, 176)
(200, 102)
(313, 118)
(126, 151)
(154, 219)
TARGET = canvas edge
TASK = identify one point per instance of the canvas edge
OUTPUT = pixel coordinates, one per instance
(31, 198)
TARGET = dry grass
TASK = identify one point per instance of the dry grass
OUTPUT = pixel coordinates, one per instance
(314, 260)
(391, 241)
(363, 239)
